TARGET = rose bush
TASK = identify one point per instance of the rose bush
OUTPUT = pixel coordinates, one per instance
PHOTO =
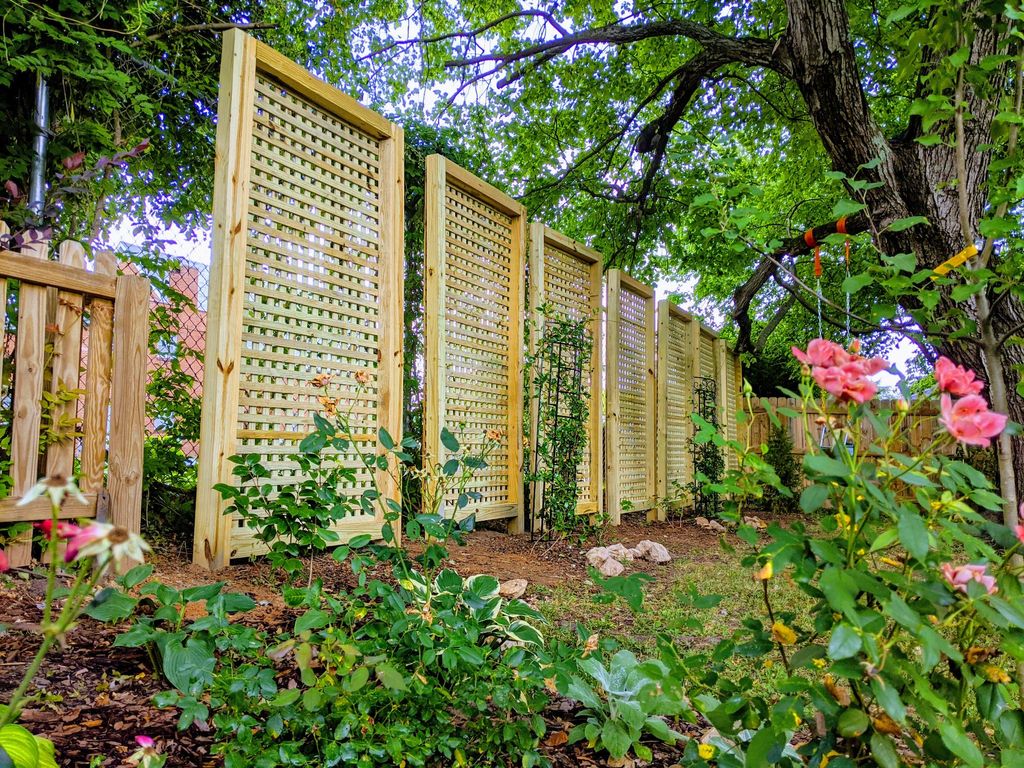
(907, 654)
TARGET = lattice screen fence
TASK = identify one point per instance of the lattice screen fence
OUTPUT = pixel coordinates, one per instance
(475, 241)
(306, 298)
(567, 276)
(630, 439)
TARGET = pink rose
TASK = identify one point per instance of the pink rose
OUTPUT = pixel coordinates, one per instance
(1019, 529)
(956, 379)
(4, 564)
(842, 374)
(846, 383)
(970, 421)
(822, 353)
(958, 577)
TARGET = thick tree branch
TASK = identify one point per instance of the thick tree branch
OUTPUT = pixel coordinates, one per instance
(767, 269)
(751, 51)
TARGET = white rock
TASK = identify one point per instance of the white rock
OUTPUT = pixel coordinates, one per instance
(620, 552)
(597, 555)
(653, 551)
(512, 589)
(610, 567)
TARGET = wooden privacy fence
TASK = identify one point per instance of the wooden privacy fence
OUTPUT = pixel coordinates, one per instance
(474, 244)
(69, 319)
(306, 281)
(630, 424)
(687, 353)
(566, 276)
(916, 433)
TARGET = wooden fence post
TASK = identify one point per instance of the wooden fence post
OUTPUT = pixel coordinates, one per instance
(128, 401)
(217, 441)
(29, 359)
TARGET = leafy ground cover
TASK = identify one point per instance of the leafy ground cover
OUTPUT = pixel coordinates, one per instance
(97, 697)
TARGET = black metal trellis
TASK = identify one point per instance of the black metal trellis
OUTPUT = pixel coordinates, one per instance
(561, 377)
(707, 457)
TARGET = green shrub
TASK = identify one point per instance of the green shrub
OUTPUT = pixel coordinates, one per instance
(780, 456)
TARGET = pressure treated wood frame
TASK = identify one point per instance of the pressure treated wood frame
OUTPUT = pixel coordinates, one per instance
(676, 355)
(251, 72)
(547, 244)
(489, 217)
(641, 423)
(52, 299)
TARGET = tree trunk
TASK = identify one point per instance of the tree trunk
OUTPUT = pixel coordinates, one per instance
(916, 180)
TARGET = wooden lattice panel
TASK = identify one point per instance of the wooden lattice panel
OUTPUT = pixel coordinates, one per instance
(566, 276)
(474, 247)
(707, 355)
(305, 284)
(732, 404)
(675, 402)
(630, 473)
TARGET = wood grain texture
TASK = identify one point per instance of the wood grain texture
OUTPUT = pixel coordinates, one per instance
(67, 361)
(128, 401)
(29, 360)
(567, 276)
(99, 367)
(631, 393)
(67, 276)
(212, 542)
(475, 243)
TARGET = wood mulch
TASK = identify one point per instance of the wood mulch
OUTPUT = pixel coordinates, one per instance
(95, 698)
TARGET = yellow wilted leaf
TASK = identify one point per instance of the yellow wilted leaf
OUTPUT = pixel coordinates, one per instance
(766, 572)
(885, 724)
(782, 634)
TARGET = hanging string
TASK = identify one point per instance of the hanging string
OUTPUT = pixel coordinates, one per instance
(841, 229)
(812, 243)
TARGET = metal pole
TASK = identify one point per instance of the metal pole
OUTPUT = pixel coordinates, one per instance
(37, 182)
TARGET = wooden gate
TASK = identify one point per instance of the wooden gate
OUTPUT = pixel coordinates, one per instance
(306, 281)
(69, 318)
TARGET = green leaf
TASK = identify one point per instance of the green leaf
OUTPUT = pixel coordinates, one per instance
(356, 680)
(854, 283)
(390, 677)
(906, 223)
(188, 666)
(884, 751)
(760, 747)
(136, 576)
(960, 744)
(844, 643)
(448, 440)
(20, 746)
(965, 291)
(913, 533)
(286, 698)
(825, 465)
(385, 439)
(111, 605)
(813, 497)
(853, 722)
(311, 619)
(615, 738)
(846, 208)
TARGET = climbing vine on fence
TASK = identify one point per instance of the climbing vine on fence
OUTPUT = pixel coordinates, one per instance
(555, 374)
